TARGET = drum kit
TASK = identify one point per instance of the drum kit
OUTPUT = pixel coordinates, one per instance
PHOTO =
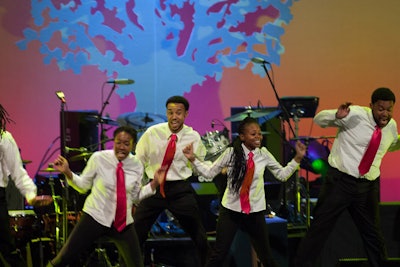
(28, 226)
(216, 142)
(41, 231)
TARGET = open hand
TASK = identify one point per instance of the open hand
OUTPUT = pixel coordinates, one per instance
(343, 110)
(188, 152)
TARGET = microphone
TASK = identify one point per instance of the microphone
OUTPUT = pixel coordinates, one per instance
(61, 96)
(212, 124)
(121, 81)
(259, 60)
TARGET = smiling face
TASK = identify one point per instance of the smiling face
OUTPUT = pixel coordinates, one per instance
(382, 110)
(176, 114)
(123, 145)
(251, 136)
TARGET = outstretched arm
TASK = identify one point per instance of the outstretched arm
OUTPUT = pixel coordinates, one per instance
(61, 164)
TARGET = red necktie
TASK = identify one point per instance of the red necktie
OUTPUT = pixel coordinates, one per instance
(370, 153)
(120, 213)
(168, 157)
(245, 189)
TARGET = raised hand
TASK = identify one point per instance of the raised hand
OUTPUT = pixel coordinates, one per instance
(301, 150)
(188, 152)
(61, 164)
(343, 110)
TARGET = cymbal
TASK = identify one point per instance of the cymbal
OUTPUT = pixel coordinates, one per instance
(140, 120)
(82, 156)
(247, 113)
(49, 169)
(104, 120)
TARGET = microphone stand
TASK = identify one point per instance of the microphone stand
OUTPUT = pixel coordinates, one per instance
(286, 117)
(64, 183)
(100, 120)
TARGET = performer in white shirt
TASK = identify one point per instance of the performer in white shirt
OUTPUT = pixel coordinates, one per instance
(99, 211)
(346, 185)
(11, 167)
(179, 195)
(234, 214)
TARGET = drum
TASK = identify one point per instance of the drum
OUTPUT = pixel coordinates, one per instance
(40, 251)
(50, 222)
(24, 225)
(215, 143)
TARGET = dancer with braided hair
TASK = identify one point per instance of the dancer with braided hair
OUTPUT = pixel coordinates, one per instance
(243, 203)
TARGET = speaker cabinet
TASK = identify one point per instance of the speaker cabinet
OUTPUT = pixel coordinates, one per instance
(81, 131)
(363, 262)
(345, 247)
(390, 223)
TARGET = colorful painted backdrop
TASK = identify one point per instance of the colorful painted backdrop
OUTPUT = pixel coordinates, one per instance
(335, 50)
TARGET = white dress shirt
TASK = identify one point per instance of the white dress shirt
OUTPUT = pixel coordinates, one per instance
(11, 165)
(100, 177)
(354, 133)
(262, 159)
(152, 146)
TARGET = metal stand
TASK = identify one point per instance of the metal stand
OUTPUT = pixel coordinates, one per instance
(57, 214)
(99, 258)
(65, 196)
(103, 136)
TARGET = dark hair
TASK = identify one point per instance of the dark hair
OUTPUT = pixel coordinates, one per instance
(178, 99)
(4, 119)
(128, 129)
(383, 93)
(238, 159)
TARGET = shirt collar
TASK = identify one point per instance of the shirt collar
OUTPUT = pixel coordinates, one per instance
(246, 150)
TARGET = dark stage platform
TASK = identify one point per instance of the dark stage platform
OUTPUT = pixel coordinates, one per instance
(175, 249)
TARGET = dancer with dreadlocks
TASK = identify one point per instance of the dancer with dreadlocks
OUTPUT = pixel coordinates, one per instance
(11, 167)
(243, 204)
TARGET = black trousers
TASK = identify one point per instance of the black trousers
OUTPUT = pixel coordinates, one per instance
(361, 198)
(253, 224)
(87, 231)
(181, 202)
(7, 243)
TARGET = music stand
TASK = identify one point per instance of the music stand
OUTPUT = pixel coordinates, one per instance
(300, 106)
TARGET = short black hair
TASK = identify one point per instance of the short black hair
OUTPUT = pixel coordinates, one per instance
(383, 93)
(128, 129)
(178, 99)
